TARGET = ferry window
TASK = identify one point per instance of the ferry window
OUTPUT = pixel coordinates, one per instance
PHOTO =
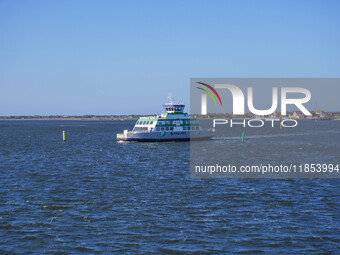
(167, 122)
(151, 122)
(171, 128)
(157, 128)
(143, 123)
(167, 128)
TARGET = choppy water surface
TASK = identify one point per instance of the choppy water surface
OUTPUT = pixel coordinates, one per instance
(92, 194)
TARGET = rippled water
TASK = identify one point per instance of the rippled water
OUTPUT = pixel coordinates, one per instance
(92, 194)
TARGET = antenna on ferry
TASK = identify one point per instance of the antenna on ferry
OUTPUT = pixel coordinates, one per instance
(169, 98)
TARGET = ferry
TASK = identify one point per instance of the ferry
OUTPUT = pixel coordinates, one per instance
(173, 124)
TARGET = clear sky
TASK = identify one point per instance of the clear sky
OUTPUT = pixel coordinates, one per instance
(121, 57)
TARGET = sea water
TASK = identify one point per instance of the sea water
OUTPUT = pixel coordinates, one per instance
(92, 194)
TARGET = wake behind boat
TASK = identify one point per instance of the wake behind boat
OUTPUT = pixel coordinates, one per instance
(171, 125)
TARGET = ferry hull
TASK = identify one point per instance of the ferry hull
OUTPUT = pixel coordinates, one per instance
(165, 136)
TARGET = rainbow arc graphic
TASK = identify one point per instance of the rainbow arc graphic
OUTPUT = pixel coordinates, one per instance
(209, 93)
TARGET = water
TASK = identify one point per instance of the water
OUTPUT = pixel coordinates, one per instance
(92, 194)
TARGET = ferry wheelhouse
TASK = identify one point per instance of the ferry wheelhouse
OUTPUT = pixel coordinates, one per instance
(173, 124)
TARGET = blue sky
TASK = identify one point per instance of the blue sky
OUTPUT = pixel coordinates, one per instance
(122, 57)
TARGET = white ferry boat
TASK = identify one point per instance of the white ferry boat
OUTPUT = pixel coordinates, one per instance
(171, 125)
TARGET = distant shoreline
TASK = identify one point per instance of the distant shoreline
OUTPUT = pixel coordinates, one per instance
(113, 119)
(316, 115)
(72, 119)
